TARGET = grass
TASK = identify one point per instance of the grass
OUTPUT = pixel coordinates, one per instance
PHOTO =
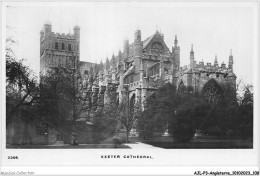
(200, 143)
(159, 141)
(67, 146)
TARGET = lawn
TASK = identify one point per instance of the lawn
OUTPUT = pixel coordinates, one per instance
(200, 143)
(67, 146)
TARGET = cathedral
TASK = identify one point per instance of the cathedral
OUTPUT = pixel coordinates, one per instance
(138, 70)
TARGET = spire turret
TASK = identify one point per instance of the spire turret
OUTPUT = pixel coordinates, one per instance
(230, 61)
(192, 57)
(216, 61)
(126, 49)
(113, 59)
(175, 42)
(119, 61)
(107, 64)
(138, 35)
(176, 55)
(138, 50)
(223, 65)
(47, 29)
(101, 65)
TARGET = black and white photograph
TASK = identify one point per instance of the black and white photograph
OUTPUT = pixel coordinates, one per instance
(130, 80)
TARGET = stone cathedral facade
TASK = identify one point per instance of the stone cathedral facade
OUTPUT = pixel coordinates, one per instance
(138, 70)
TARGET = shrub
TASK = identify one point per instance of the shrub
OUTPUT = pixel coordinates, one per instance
(182, 128)
(146, 126)
(183, 132)
(117, 142)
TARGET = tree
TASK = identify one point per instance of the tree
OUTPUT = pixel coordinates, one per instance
(172, 109)
(223, 115)
(21, 91)
(124, 115)
(103, 126)
(157, 112)
(66, 95)
(189, 114)
(146, 124)
(54, 105)
(246, 109)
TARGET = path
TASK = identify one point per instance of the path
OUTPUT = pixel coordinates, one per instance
(140, 145)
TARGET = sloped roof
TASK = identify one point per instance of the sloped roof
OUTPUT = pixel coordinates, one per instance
(84, 63)
(147, 41)
(145, 44)
(129, 71)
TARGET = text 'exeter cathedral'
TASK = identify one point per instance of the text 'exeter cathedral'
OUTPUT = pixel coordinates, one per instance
(139, 69)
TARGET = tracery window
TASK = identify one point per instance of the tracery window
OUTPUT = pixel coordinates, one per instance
(153, 70)
(212, 91)
(157, 48)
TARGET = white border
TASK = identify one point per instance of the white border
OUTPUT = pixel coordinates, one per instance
(124, 170)
(170, 157)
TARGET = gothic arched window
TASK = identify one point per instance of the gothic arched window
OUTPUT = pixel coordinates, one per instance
(153, 70)
(157, 48)
(56, 45)
(212, 91)
(69, 47)
(63, 46)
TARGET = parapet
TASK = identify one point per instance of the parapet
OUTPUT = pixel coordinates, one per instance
(206, 68)
(63, 35)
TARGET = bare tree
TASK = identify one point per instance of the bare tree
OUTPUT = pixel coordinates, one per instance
(123, 114)
(70, 91)
(21, 89)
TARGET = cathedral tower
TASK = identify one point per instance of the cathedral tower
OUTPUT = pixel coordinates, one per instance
(58, 49)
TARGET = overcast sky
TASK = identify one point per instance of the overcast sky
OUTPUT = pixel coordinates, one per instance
(212, 28)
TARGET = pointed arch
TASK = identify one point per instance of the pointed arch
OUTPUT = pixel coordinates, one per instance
(69, 47)
(154, 69)
(56, 45)
(62, 46)
(212, 91)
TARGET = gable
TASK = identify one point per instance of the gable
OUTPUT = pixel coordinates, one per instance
(156, 38)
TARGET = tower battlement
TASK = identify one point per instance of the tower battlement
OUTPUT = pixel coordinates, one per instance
(68, 36)
(58, 49)
(207, 67)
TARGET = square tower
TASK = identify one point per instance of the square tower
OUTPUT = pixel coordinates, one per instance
(58, 49)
